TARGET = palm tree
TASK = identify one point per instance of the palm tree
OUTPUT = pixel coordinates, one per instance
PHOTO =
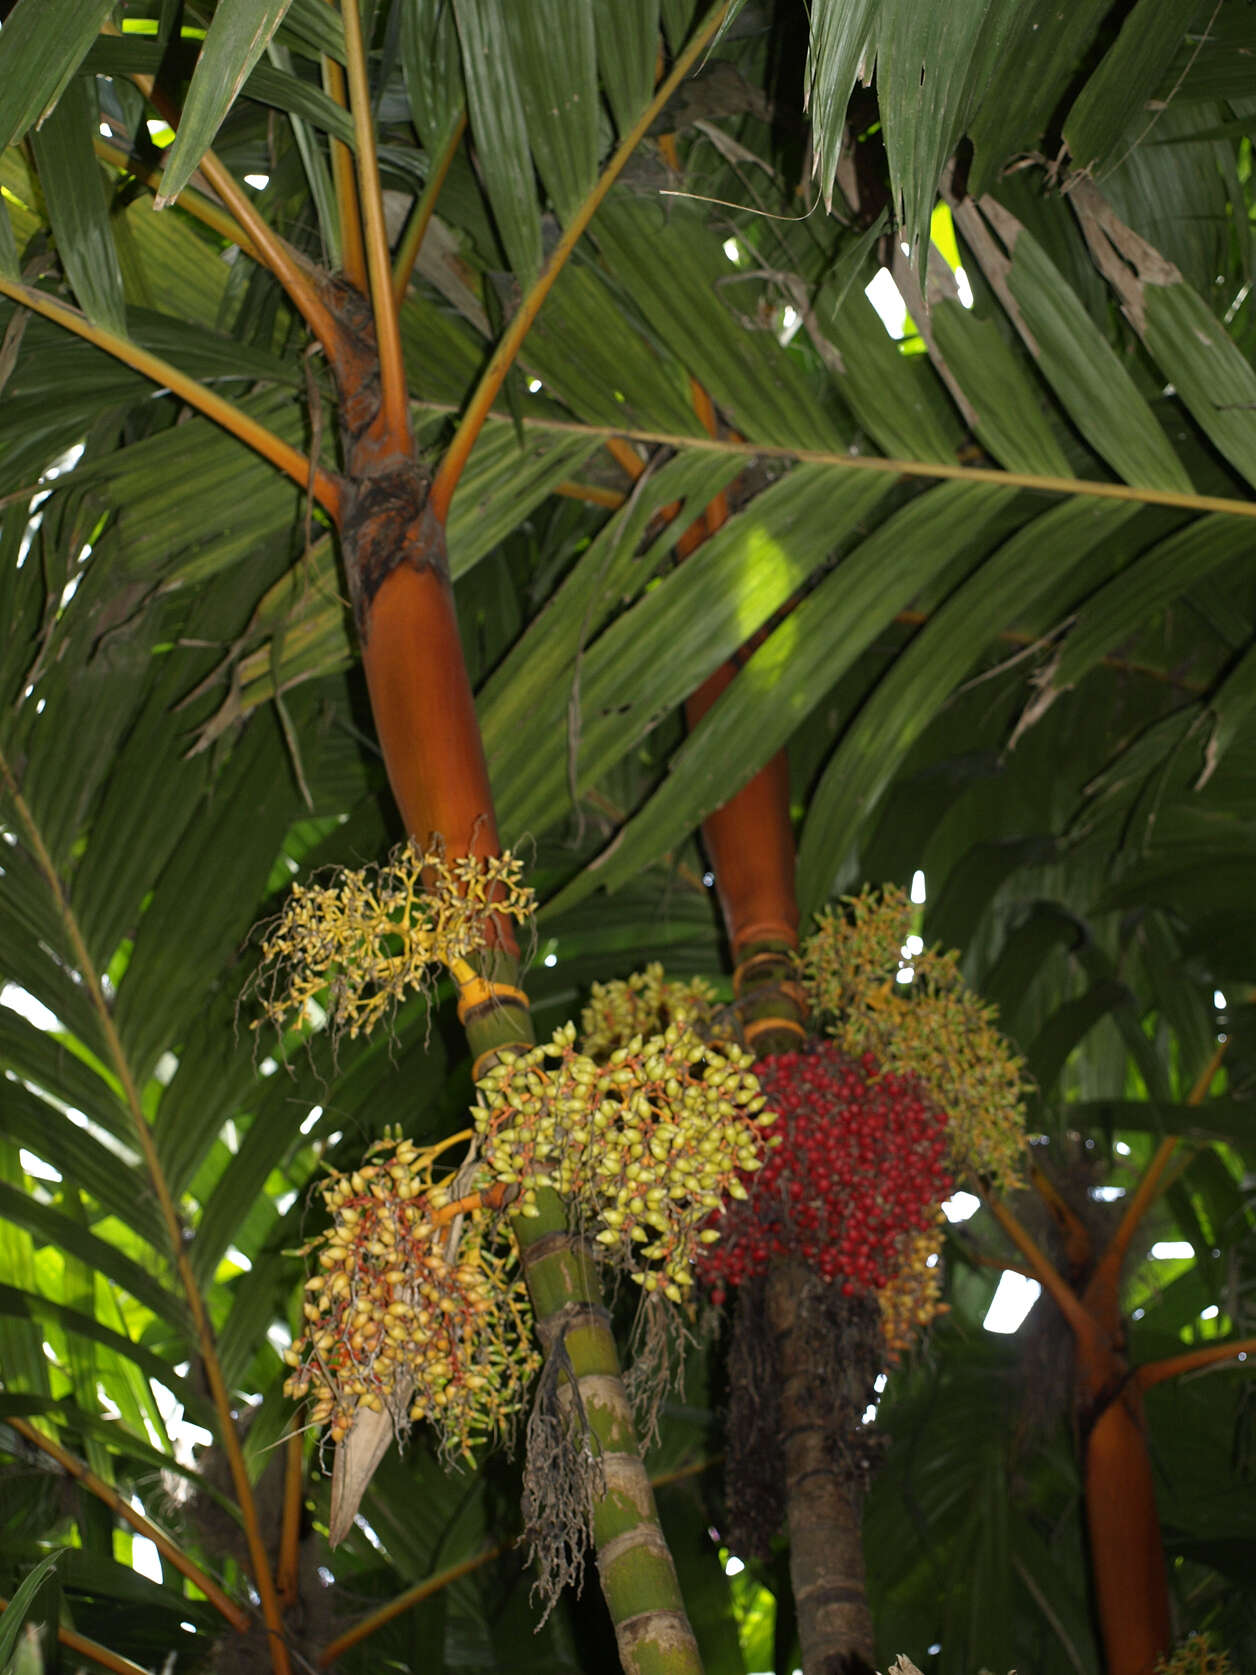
(1018, 660)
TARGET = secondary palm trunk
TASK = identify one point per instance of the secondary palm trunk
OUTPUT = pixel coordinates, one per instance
(750, 844)
(826, 1562)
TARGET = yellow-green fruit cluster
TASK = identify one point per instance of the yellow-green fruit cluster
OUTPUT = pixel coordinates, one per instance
(644, 1004)
(646, 1147)
(913, 1297)
(1196, 1656)
(411, 1312)
(357, 944)
(933, 1027)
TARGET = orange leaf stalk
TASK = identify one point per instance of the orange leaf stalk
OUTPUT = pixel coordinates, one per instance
(235, 1614)
(92, 1650)
(287, 1571)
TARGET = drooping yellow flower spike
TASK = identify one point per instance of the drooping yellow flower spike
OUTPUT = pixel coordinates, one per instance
(357, 944)
(415, 1309)
(933, 1027)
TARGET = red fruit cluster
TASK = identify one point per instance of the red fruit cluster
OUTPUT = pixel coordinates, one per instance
(857, 1165)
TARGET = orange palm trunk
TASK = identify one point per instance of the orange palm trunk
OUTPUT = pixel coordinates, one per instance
(1127, 1565)
(1126, 1553)
(750, 843)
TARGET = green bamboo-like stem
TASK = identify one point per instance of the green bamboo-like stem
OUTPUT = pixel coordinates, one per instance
(365, 1626)
(451, 466)
(75, 1468)
(634, 1565)
(238, 423)
(412, 239)
(202, 1327)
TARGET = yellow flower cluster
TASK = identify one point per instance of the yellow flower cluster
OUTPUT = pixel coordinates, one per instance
(1196, 1656)
(643, 1004)
(912, 1299)
(413, 1309)
(933, 1027)
(646, 1147)
(357, 945)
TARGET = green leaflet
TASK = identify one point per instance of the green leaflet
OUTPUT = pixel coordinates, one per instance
(1040, 559)
(40, 49)
(1207, 368)
(627, 49)
(18, 1608)
(500, 129)
(1112, 105)
(842, 48)
(788, 676)
(1009, 408)
(653, 655)
(74, 192)
(552, 49)
(1086, 374)
(1146, 586)
(235, 40)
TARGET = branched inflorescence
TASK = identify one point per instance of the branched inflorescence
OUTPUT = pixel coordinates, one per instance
(414, 1309)
(356, 946)
(860, 1170)
(644, 1004)
(933, 1028)
(912, 1298)
(1196, 1656)
(915, 1085)
(646, 1147)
